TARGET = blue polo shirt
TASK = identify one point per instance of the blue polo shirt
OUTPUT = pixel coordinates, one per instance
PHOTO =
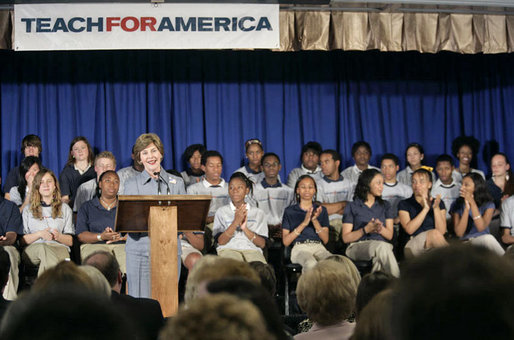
(359, 214)
(412, 206)
(471, 229)
(93, 217)
(70, 180)
(294, 215)
(10, 218)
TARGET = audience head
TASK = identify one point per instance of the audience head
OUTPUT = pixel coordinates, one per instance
(254, 152)
(80, 150)
(64, 311)
(465, 148)
(444, 167)
(29, 167)
(389, 165)
(414, 154)
(310, 155)
(257, 295)
(210, 268)
(267, 276)
(31, 146)
(192, 156)
(375, 321)
(218, 317)
(64, 273)
(104, 161)
(5, 267)
(238, 187)
(271, 164)
(305, 189)
(370, 285)
(454, 292)
(100, 284)
(325, 302)
(361, 153)
(212, 165)
(330, 160)
(107, 264)
(371, 181)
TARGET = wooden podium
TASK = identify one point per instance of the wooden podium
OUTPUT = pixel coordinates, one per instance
(162, 216)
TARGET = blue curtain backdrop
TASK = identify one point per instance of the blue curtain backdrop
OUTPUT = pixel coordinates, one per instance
(222, 98)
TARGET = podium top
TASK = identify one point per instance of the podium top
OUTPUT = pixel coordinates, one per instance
(133, 210)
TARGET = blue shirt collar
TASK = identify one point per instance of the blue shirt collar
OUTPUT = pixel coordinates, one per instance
(266, 185)
(250, 171)
(328, 180)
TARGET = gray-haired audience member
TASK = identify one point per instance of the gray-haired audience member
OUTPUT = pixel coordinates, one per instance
(457, 292)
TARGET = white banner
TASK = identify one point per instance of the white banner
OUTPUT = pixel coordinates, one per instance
(145, 26)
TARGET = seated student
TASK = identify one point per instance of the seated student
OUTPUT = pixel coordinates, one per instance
(394, 190)
(310, 164)
(95, 221)
(192, 158)
(507, 223)
(445, 186)
(78, 169)
(254, 152)
(472, 214)
(212, 184)
(501, 184)
(241, 230)
(47, 224)
(305, 225)
(334, 191)
(465, 149)
(422, 217)
(368, 224)
(104, 161)
(10, 227)
(361, 153)
(414, 155)
(20, 194)
(30, 146)
(130, 171)
(271, 196)
(5, 268)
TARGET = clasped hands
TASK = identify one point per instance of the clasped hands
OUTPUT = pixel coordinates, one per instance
(111, 236)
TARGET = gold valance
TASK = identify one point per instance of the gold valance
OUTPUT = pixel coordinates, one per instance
(387, 31)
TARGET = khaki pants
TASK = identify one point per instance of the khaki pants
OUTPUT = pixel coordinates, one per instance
(46, 255)
(308, 254)
(11, 289)
(242, 255)
(117, 249)
(379, 252)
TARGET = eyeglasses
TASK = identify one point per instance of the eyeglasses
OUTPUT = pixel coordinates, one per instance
(271, 165)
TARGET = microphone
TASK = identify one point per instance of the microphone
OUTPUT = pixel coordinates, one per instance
(158, 174)
(168, 190)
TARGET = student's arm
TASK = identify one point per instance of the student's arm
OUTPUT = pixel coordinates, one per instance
(460, 223)
(350, 236)
(387, 231)
(45, 234)
(8, 239)
(259, 241)
(507, 238)
(322, 231)
(439, 215)
(196, 240)
(411, 225)
(289, 236)
(335, 208)
(62, 238)
(239, 218)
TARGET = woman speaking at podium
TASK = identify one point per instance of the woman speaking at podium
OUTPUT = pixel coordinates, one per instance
(153, 180)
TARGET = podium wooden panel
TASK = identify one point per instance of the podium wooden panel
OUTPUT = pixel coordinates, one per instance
(162, 216)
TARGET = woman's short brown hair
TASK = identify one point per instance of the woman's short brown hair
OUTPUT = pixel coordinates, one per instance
(142, 143)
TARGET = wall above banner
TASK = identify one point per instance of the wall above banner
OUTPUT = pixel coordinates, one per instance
(145, 26)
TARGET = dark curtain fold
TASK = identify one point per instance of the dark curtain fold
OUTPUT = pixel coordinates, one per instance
(222, 98)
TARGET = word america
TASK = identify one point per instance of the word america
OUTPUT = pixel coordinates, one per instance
(132, 24)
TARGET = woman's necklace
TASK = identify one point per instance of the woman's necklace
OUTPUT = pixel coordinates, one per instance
(108, 206)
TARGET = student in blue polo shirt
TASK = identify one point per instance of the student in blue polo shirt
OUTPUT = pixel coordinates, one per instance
(305, 225)
(192, 157)
(368, 224)
(310, 164)
(254, 152)
(422, 217)
(95, 221)
(472, 213)
(240, 229)
(271, 196)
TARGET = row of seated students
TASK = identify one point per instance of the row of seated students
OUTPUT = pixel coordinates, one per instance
(359, 206)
